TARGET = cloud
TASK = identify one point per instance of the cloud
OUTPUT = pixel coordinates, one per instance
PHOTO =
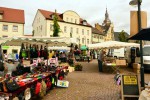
(91, 10)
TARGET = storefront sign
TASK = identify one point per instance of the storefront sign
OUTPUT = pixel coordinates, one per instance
(5, 47)
(130, 80)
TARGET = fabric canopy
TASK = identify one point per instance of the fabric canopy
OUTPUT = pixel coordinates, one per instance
(144, 34)
(52, 41)
(58, 48)
(83, 47)
(112, 44)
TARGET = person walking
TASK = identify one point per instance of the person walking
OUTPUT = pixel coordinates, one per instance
(100, 60)
(88, 55)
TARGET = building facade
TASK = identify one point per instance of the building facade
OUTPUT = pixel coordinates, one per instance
(107, 28)
(97, 36)
(11, 22)
(71, 25)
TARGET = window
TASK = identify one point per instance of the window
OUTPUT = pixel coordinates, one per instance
(53, 16)
(71, 30)
(5, 27)
(82, 40)
(39, 19)
(37, 29)
(77, 30)
(15, 28)
(41, 27)
(65, 29)
(71, 20)
(51, 27)
(67, 19)
(82, 31)
(88, 41)
(87, 32)
(75, 20)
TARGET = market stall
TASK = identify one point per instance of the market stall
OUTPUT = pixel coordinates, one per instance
(40, 75)
(112, 62)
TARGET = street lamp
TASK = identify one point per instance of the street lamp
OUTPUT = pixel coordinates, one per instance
(138, 2)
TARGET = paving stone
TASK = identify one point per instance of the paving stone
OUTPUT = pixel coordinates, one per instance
(89, 84)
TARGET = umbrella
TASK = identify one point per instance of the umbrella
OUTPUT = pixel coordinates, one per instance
(83, 47)
(144, 34)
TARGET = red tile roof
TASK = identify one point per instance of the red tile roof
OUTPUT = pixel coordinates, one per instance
(47, 15)
(12, 15)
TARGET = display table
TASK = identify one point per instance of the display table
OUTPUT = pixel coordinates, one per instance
(32, 80)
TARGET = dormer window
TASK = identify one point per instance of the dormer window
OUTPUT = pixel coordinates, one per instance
(84, 22)
(52, 16)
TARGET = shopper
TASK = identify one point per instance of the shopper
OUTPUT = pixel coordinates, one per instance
(100, 60)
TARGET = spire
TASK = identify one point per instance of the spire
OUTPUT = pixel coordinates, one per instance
(107, 20)
(106, 15)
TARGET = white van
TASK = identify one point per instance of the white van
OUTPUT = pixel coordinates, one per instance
(146, 57)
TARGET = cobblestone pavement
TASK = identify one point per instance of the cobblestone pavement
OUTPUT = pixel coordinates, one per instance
(88, 84)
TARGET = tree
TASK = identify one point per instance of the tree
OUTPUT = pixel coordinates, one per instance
(122, 37)
(56, 27)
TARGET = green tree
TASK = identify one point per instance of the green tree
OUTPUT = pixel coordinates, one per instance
(122, 37)
(56, 27)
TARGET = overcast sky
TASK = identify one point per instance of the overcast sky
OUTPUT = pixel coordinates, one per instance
(91, 10)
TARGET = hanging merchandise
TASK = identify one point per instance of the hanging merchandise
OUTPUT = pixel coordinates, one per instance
(27, 52)
(41, 52)
(43, 89)
(37, 88)
(38, 51)
(20, 54)
(27, 94)
(45, 53)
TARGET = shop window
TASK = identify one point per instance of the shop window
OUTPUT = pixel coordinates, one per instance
(5, 27)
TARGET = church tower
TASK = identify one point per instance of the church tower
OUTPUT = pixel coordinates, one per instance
(107, 21)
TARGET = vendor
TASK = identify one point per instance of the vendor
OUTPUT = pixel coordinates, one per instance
(101, 60)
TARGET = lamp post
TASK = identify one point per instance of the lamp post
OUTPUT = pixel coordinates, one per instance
(138, 2)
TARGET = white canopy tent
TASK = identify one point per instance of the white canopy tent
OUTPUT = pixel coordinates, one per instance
(51, 41)
(112, 44)
(59, 48)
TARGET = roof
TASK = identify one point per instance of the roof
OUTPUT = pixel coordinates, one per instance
(116, 35)
(12, 15)
(96, 31)
(48, 14)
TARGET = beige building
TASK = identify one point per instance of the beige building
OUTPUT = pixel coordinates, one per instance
(71, 24)
(11, 22)
(97, 36)
(107, 28)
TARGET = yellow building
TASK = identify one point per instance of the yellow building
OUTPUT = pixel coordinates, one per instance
(97, 36)
(71, 24)
(107, 28)
(11, 24)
